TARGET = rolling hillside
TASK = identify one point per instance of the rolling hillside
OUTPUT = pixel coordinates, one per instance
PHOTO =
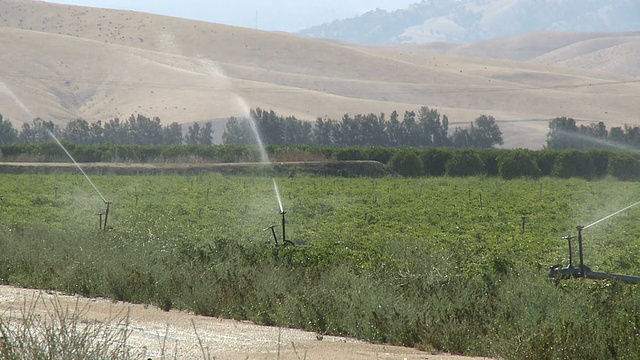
(65, 62)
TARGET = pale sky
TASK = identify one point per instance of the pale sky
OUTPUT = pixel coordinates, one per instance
(281, 15)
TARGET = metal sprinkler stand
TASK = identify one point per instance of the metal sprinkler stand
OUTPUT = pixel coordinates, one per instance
(100, 217)
(584, 271)
(582, 267)
(106, 215)
(273, 231)
(284, 233)
(285, 242)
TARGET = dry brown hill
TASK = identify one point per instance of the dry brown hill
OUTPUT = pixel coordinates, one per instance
(63, 62)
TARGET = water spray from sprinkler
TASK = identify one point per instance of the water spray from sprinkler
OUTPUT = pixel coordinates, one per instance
(611, 215)
(106, 214)
(584, 271)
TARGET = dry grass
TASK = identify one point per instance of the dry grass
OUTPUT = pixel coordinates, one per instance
(68, 62)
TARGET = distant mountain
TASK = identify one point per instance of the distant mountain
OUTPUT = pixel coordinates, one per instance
(467, 21)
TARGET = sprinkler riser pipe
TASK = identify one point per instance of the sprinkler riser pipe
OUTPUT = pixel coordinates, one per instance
(106, 215)
(582, 270)
(284, 238)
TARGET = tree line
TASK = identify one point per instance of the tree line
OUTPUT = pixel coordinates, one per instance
(136, 130)
(564, 133)
(426, 128)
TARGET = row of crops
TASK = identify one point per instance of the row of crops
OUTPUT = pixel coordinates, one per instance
(438, 263)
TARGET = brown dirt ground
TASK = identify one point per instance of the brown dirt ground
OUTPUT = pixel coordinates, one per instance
(178, 333)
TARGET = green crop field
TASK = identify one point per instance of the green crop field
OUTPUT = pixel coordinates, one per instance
(445, 264)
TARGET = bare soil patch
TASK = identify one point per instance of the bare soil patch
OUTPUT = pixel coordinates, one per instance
(178, 334)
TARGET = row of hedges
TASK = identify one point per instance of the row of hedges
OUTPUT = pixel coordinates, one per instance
(517, 163)
(506, 163)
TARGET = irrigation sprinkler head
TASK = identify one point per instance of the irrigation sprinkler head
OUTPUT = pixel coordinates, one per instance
(583, 271)
(284, 241)
(106, 215)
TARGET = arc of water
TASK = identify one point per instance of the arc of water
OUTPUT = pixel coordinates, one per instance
(275, 186)
(78, 166)
(611, 215)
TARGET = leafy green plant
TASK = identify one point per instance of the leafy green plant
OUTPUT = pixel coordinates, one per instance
(411, 261)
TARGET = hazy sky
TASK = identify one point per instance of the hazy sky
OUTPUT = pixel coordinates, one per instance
(283, 15)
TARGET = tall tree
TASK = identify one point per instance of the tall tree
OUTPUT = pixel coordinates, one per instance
(395, 131)
(193, 134)
(485, 133)
(116, 133)
(562, 133)
(206, 134)
(172, 134)
(238, 132)
(38, 131)
(78, 131)
(323, 132)
(8, 135)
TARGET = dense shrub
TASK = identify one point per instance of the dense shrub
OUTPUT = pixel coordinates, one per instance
(574, 163)
(465, 163)
(625, 166)
(516, 164)
(381, 154)
(351, 153)
(490, 160)
(406, 162)
(600, 160)
(546, 160)
(434, 160)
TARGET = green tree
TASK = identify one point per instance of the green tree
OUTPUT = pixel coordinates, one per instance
(270, 126)
(395, 131)
(296, 132)
(562, 134)
(485, 133)
(38, 131)
(206, 134)
(323, 132)
(238, 132)
(8, 135)
(143, 130)
(193, 134)
(116, 133)
(172, 134)
(78, 131)
(412, 130)
(461, 138)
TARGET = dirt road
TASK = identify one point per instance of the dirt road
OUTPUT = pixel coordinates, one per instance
(178, 333)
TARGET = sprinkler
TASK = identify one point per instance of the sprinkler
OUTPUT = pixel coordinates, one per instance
(584, 271)
(284, 233)
(285, 242)
(106, 214)
(100, 217)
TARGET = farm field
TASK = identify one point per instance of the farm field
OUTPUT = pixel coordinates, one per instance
(457, 265)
